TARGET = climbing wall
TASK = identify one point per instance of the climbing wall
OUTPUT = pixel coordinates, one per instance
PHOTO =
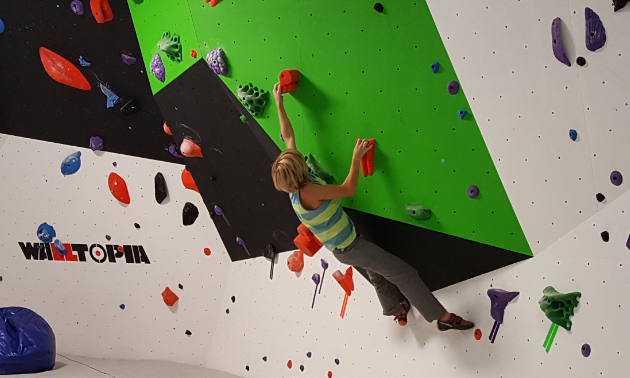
(81, 299)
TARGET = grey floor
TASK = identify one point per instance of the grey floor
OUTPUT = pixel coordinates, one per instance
(68, 366)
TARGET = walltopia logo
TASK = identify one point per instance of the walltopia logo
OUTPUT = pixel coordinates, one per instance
(133, 254)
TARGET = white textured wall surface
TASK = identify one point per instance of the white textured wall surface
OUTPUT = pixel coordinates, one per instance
(81, 300)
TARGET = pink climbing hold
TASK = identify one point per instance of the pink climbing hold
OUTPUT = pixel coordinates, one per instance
(190, 148)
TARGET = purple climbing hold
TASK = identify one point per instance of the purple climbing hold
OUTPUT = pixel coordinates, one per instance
(616, 178)
(337, 361)
(595, 32)
(309, 354)
(77, 7)
(472, 191)
(128, 59)
(157, 68)
(115, 164)
(173, 150)
(216, 61)
(265, 358)
(453, 87)
(628, 243)
(108, 237)
(301, 367)
(96, 143)
(316, 278)
(227, 311)
(586, 350)
(557, 44)
(499, 300)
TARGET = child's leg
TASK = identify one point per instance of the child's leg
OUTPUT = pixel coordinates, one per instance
(388, 294)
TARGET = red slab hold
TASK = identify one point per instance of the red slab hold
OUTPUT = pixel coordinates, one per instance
(101, 10)
(345, 280)
(188, 181)
(190, 148)
(62, 71)
(212, 2)
(167, 129)
(295, 262)
(169, 297)
(367, 162)
(118, 187)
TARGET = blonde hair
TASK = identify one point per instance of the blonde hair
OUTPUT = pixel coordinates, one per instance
(289, 171)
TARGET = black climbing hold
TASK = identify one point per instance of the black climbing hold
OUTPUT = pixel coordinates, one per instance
(247, 368)
(188, 332)
(136, 225)
(181, 286)
(619, 4)
(270, 253)
(233, 299)
(190, 214)
(378, 7)
(160, 188)
(600, 197)
(605, 236)
(581, 61)
(227, 311)
(130, 107)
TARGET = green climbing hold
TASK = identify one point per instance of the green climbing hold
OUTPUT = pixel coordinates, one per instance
(317, 170)
(254, 99)
(418, 212)
(171, 46)
(0, 278)
(559, 307)
(243, 119)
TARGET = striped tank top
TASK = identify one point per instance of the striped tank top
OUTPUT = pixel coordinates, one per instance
(330, 224)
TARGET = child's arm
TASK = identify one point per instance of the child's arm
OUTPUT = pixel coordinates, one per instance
(285, 126)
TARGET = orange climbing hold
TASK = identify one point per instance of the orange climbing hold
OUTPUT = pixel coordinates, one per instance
(190, 148)
(290, 364)
(167, 129)
(330, 374)
(212, 2)
(207, 251)
(347, 284)
(101, 10)
(288, 80)
(188, 181)
(193, 53)
(367, 162)
(118, 187)
(306, 241)
(121, 249)
(169, 297)
(62, 71)
(295, 262)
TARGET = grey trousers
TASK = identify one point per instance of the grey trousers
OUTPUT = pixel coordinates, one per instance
(393, 279)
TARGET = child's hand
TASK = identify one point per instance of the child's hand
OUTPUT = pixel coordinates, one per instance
(277, 94)
(360, 148)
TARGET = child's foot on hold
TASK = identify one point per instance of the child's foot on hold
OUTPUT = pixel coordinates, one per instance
(401, 317)
(452, 321)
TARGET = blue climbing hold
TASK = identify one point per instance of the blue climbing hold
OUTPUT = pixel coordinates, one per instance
(573, 135)
(84, 62)
(122, 306)
(71, 164)
(435, 67)
(112, 98)
(46, 232)
(1, 26)
(60, 248)
(461, 114)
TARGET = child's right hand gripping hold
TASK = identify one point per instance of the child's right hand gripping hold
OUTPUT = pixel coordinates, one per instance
(360, 149)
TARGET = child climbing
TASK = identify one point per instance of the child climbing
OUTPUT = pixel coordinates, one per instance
(317, 205)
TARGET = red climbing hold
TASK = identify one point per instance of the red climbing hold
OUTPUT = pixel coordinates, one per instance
(367, 162)
(330, 374)
(188, 181)
(101, 10)
(212, 2)
(169, 297)
(118, 187)
(121, 249)
(190, 148)
(62, 71)
(295, 262)
(193, 53)
(207, 251)
(477, 334)
(288, 80)
(290, 364)
(167, 129)
(345, 280)
(306, 241)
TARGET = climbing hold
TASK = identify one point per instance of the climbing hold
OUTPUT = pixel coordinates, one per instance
(306, 241)
(212, 2)
(418, 212)
(330, 374)
(281, 137)
(189, 214)
(167, 129)
(453, 87)
(477, 334)
(243, 118)
(557, 45)
(121, 249)
(325, 266)
(46, 232)
(173, 150)
(472, 191)
(616, 178)
(115, 164)
(188, 181)
(295, 262)
(619, 4)
(317, 170)
(605, 236)
(60, 248)
(207, 251)
(600, 197)
(435, 67)
(108, 237)
(181, 287)
(171, 46)
(347, 284)
(101, 10)
(378, 7)
(580, 61)
(193, 53)
(316, 278)
(157, 68)
(122, 306)
(128, 59)
(270, 253)
(130, 107)
(160, 188)
(219, 211)
(77, 7)
(242, 242)
(169, 297)
(499, 299)
(573, 135)
(227, 311)
(253, 99)
(288, 80)
(247, 368)
(309, 354)
(118, 187)
(71, 164)
(62, 71)
(188, 333)
(217, 61)
(301, 367)
(461, 114)
(84, 62)
(190, 149)
(112, 98)
(337, 361)
(233, 299)
(367, 161)
(136, 225)
(264, 358)
(595, 32)
(96, 143)
(586, 350)
(559, 307)
(289, 364)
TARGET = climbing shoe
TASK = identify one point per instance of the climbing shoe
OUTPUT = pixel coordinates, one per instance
(401, 318)
(454, 322)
